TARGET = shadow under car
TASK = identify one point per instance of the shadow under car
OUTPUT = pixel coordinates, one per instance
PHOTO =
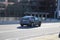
(26, 27)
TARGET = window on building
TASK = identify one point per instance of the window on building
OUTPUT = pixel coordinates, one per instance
(9, 4)
(2, 5)
(2, 14)
(2, 0)
(12, 0)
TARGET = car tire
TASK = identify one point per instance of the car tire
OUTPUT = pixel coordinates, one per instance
(32, 24)
(21, 24)
(29, 25)
(39, 24)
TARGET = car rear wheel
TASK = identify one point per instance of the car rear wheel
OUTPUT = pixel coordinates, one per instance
(39, 24)
(32, 24)
(21, 24)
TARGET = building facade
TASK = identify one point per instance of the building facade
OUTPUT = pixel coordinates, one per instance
(43, 8)
(4, 4)
(39, 8)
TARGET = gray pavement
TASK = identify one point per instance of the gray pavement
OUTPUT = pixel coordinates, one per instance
(11, 32)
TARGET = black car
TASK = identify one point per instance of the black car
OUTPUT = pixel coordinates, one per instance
(30, 21)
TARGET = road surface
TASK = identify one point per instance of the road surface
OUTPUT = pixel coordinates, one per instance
(16, 32)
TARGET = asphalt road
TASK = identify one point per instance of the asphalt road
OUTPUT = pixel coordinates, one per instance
(16, 32)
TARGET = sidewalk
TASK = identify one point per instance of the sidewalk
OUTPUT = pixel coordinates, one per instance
(17, 21)
(51, 20)
(9, 22)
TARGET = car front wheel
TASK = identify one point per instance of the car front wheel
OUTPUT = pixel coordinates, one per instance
(31, 25)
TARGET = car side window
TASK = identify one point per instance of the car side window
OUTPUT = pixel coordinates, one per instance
(32, 18)
(36, 19)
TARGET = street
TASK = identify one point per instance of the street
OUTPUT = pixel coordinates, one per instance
(42, 18)
(16, 32)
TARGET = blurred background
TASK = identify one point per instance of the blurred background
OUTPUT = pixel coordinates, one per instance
(11, 10)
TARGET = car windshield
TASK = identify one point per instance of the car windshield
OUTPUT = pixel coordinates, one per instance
(25, 18)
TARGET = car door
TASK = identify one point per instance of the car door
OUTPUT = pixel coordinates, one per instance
(36, 20)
